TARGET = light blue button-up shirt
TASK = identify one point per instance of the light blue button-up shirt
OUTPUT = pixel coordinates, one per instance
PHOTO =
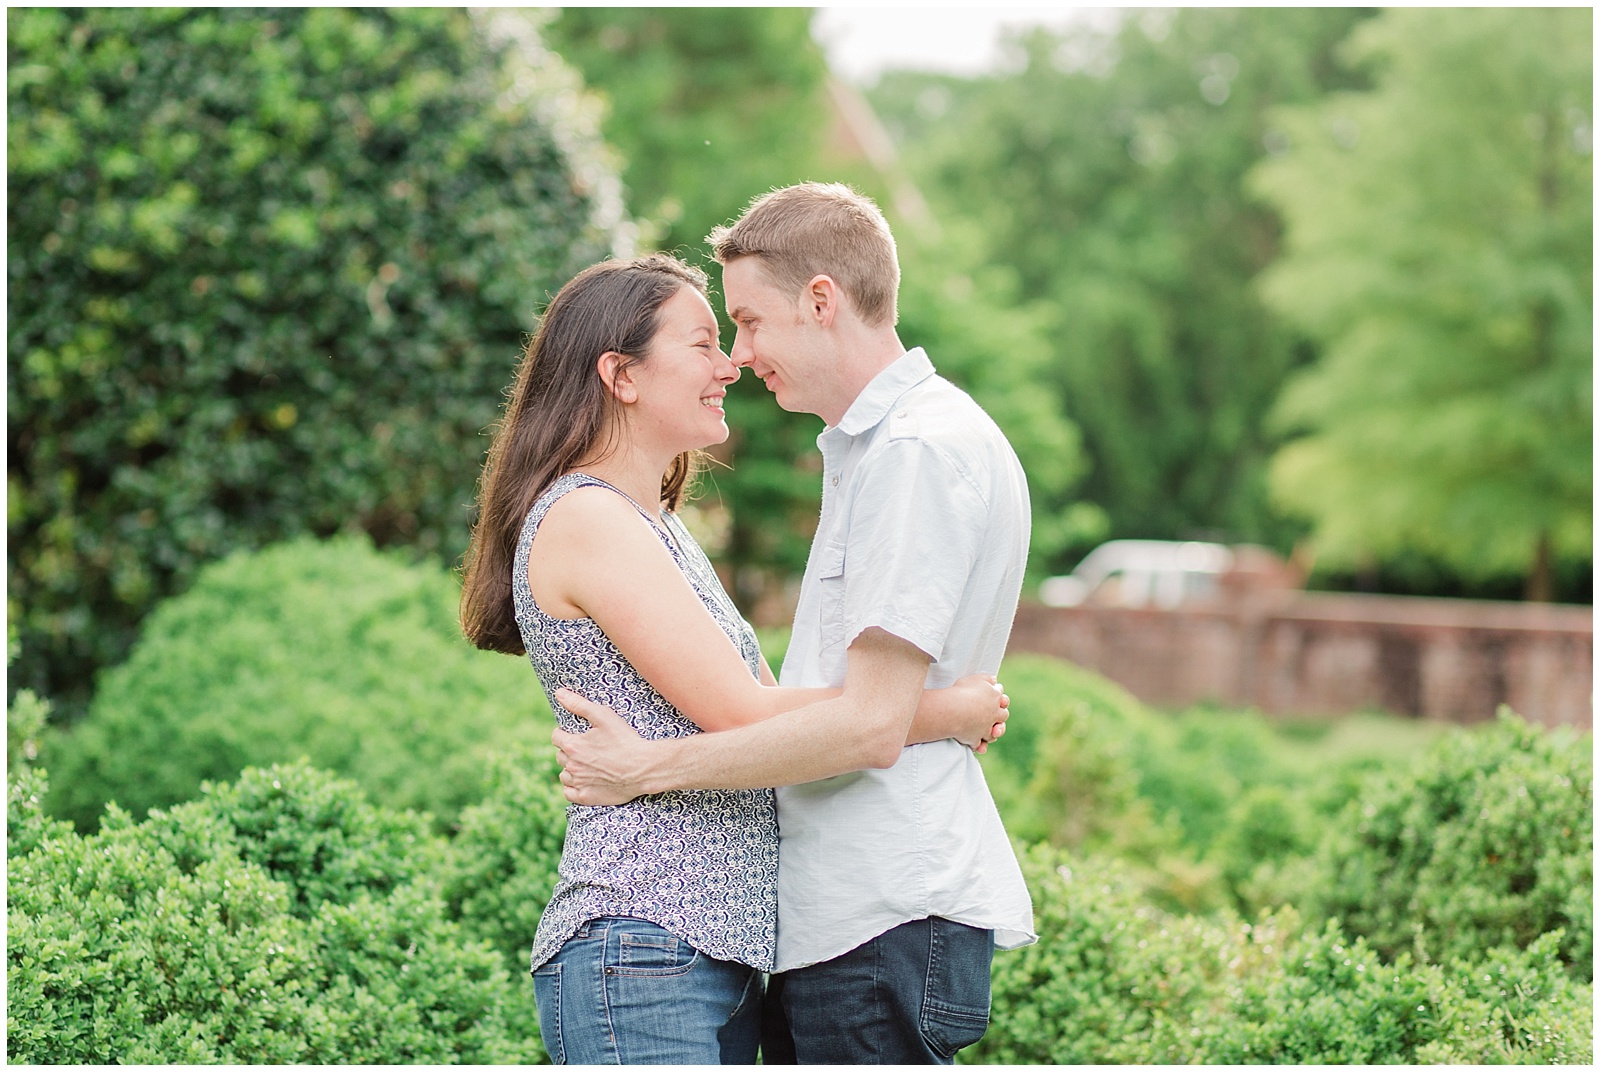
(924, 534)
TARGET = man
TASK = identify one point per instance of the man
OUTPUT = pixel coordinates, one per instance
(896, 882)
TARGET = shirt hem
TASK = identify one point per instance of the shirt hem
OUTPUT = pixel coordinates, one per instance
(1029, 938)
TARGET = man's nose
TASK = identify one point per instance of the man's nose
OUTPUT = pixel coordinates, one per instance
(742, 353)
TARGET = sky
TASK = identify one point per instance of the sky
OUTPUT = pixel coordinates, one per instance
(861, 42)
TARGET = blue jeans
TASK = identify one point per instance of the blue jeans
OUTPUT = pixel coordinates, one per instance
(624, 991)
(914, 995)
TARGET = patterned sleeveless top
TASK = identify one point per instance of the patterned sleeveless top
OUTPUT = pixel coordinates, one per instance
(703, 864)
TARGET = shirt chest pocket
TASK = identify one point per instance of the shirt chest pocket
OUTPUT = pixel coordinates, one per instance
(830, 588)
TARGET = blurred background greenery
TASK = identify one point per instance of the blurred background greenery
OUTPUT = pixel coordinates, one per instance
(1318, 279)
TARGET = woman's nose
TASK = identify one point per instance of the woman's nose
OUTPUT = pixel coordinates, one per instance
(727, 371)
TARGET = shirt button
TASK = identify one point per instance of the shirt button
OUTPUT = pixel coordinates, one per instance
(835, 482)
(902, 413)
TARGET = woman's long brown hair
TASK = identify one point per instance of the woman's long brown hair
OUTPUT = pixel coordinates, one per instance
(557, 410)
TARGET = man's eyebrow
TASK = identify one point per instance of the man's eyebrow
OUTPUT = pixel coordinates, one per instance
(738, 311)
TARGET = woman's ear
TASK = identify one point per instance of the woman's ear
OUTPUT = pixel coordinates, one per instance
(613, 372)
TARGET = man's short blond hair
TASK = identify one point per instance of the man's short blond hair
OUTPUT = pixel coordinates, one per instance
(819, 228)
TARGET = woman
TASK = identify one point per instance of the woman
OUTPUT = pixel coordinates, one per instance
(652, 947)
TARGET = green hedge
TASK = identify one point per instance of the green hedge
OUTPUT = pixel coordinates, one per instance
(1486, 841)
(1090, 746)
(324, 649)
(270, 271)
(1443, 844)
(502, 865)
(281, 919)
(1114, 979)
(1064, 772)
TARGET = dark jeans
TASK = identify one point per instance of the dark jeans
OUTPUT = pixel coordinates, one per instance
(911, 996)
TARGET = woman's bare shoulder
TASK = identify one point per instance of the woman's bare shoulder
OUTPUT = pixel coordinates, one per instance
(594, 519)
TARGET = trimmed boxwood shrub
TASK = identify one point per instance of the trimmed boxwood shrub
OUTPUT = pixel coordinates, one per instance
(270, 271)
(1064, 771)
(282, 919)
(1486, 841)
(325, 649)
(1108, 965)
(1324, 998)
(1114, 979)
(503, 857)
(26, 822)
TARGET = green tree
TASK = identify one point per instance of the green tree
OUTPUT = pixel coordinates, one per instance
(269, 273)
(709, 107)
(1440, 248)
(1106, 169)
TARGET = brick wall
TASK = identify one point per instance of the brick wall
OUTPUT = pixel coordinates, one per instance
(1323, 653)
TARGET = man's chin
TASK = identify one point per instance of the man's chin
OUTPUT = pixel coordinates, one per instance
(783, 396)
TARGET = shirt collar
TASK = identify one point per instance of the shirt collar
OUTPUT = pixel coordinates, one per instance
(874, 402)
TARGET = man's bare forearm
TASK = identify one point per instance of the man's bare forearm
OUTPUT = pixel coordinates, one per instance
(821, 741)
(865, 726)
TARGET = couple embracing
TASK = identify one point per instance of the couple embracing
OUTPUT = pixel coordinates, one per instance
(850, 915)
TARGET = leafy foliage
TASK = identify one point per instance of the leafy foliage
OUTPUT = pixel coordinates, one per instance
(1106, 170)
(1210, 770)
(1106, 967)
(1063, 772)
(503, 859)
(1322, 998)
(1486, 842)
(1115, 980)
(273, 269)
(329, 650)
(280, 920)
(1206, 807)
(708, 107)
(26, 823)
(1440, 247)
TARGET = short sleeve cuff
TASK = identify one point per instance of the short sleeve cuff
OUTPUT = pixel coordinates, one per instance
(926, 640)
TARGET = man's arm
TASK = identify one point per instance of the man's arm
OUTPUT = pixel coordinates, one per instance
(866, 726)
(598, 557)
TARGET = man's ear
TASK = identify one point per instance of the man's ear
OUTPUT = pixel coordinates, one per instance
(616, 378)
(822, 298)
